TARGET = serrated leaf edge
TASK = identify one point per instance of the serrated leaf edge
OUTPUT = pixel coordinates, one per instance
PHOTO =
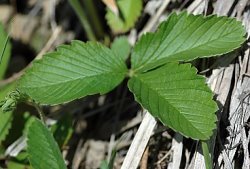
(185, 13)
(214, 119)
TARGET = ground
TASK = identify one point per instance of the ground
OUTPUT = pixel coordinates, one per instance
(98, 125)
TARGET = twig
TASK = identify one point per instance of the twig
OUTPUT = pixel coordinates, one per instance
(140, 142)
(144, 160)
(152, 22)
(164, 157)
(111, 146)
(50, 42)
(52, 15)
(81, 149)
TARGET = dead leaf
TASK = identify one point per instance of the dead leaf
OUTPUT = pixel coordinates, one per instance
(111, 4)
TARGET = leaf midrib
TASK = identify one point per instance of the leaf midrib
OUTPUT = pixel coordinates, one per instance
(76, 79)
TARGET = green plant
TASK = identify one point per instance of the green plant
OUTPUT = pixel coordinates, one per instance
(4, 51)
(161, 80)
(5, 118)
(127, 15)
(76, 5)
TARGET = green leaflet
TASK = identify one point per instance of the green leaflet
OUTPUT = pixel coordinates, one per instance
(72, 72)
(121, 47)
(42, 149)
(5, 50)
(11, 100)
(184, 37)
(129, 12)
(63, 130)
(17, 165)
(109, 164)
(178, 97)
(5, 124)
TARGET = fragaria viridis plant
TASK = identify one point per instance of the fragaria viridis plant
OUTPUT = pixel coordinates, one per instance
(160, 78)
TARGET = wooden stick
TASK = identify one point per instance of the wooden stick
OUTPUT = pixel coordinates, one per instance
(139, 143)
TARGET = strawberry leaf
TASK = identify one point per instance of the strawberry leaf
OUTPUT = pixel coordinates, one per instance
(129, 11)
(178, 97)
(72, 72)
(184, 37)
(42, 148)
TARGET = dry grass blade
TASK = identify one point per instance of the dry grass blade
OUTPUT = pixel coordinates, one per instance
(111, 4)
(140, 142)
(177, 148)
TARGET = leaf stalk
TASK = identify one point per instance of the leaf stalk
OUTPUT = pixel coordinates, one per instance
(206, 154)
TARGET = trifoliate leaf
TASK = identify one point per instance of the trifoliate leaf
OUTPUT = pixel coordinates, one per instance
(42, 149)
(129, 11)
(178, 97)
(121, 47)
(4, 51)
(184, 37)
(72, 72)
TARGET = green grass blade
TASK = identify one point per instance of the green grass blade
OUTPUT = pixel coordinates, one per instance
(76, 5)
(4, 48)
(121, 47)
(5, 51)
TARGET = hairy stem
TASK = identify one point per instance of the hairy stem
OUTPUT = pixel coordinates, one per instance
(40, 112)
